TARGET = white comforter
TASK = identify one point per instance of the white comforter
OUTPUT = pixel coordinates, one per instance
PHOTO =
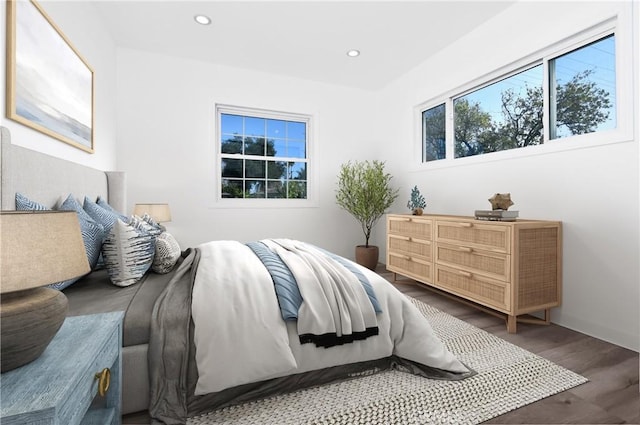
(240, 336)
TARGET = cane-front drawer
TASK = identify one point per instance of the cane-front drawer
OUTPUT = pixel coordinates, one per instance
(416, 227)
(493, 237)
(474, 287)
(410, 246)
(413, 267)
(491, 264)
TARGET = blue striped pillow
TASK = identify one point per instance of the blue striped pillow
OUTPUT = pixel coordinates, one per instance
(104, 204)
(128, 253)
(25, 204)
(101, 215)
(93, 233)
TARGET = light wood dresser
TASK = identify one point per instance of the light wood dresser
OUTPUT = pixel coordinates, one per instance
(60, 387)
(506, 268)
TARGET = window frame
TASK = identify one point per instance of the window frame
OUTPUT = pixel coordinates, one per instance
(308, 119)
(624, 100)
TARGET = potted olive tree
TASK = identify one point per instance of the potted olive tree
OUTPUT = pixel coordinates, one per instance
(364, 190)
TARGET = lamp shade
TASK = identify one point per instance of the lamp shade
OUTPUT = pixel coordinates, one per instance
(38, 248)
(159, 212)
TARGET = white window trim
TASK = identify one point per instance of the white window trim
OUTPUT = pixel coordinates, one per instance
(312, 181)
(619, 25)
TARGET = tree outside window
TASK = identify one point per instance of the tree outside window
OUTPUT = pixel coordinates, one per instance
(509, 113)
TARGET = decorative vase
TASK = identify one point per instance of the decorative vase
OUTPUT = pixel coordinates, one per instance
(29, 320)
(417, 211)
(367, 256)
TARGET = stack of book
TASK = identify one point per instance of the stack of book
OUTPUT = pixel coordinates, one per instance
(496, 215)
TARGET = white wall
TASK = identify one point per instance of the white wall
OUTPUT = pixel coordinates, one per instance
(81, 24)
(167, 145)
(593, 191)
(163, 109)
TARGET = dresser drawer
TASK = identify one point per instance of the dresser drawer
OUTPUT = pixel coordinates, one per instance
(86, 387)
(491, 237)
(105, 359)
(413, 267)
(410, 246)
(416, 227)
(474, 287)
(491, 264)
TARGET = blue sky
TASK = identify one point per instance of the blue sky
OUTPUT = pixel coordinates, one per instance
(598, 56)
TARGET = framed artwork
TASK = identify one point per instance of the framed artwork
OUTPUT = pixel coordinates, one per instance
(49, 84)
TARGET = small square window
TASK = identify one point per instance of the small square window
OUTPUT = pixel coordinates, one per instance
(250, 141)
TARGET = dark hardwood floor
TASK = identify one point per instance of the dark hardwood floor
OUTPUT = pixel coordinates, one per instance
(610, 397)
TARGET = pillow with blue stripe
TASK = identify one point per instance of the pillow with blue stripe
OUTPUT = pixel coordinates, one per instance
(101, 215)
(92, 233)
(104, 204)
(149, 226)
(25, 204)
(128, 253)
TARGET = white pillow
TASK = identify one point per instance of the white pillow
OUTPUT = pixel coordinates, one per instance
(128, 253)
(167, 253)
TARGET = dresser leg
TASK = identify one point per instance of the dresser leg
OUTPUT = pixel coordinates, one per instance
(512, 322)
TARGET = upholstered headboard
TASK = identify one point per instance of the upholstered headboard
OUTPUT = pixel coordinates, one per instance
(45, 179)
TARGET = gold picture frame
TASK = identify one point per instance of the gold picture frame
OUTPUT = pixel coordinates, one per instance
(49, 84)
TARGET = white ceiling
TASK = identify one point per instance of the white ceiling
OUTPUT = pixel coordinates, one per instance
(305, 39)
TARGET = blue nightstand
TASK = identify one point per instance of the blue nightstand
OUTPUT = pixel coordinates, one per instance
(61, 385)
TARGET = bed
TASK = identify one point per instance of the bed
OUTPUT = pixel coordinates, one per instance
(176, 364)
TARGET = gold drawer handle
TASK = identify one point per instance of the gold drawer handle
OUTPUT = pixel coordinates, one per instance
(104, 380)
(465, 249)
(465, 274)
(465, 224)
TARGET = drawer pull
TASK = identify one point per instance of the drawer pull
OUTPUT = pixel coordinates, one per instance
(465, 224)
(465, 249)
(104, 380)
(402, 219)
(465, 274)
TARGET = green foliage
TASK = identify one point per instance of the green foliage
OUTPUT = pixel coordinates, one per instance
(581, 104)
(364, 190)
(581, 107)
(417, 200)
(433, 123)
(292, 183)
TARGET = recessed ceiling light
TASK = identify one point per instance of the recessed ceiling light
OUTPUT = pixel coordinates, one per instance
(202, 19)
(353, 53)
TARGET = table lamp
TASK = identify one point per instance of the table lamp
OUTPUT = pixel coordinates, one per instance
(37, 248)
(159, 212)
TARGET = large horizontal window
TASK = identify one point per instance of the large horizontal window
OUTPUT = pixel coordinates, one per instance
(504, 115)
(262, 155)
(569, 93)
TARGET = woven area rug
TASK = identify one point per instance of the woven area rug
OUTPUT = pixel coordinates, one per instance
(508, 377)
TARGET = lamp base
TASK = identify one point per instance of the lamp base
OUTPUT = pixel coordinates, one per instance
(28, 322)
